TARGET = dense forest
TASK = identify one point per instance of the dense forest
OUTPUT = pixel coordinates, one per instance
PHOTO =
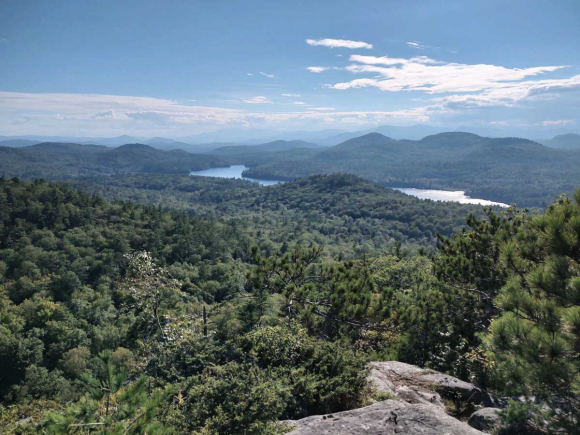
(508, 170)
(173, 317)
(344, 213)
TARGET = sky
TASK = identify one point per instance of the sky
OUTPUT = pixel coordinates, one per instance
(182, 67)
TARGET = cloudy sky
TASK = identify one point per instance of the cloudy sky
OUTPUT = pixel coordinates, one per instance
(182, 67)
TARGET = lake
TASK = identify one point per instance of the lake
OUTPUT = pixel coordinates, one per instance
(234, 171)
(459, 196)
(447, 195)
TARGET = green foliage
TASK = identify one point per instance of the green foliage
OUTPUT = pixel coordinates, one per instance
(230, 399)
(348, 215)
(113, 405)
(521, 418)
(323, 376)
(535, 340)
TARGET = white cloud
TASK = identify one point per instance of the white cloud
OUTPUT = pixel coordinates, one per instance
(470, 85)
(323, 109)
(257, 100)
(509, 94)
(317, 69)
(558, 122)
(250, 74)
(299, 103)
(339, 43)
(389, 61)
(291, 95)
(270, 76)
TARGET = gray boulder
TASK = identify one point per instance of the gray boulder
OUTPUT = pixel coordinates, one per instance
(486, 419)
(384, 418)
(416, 385)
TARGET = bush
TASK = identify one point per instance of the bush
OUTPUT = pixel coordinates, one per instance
(231, 399)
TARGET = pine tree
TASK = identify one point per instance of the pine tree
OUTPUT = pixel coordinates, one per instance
(536, 340)
(113, 404)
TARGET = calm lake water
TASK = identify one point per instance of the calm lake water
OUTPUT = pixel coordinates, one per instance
(234, 171)
(459, 196)
(447, 195)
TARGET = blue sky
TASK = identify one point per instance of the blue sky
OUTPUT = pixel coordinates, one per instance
(174, 68)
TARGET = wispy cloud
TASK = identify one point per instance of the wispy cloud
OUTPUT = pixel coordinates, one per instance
(299, 103)
(339, 43)
(250, 74)
(317, 69)
(270, 76)
(93, 114)
(258, 100)
(416, 45)
(291, 95)
(3, 41)
(558, 122)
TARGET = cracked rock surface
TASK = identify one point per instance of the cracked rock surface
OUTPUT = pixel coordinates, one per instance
(385, 418)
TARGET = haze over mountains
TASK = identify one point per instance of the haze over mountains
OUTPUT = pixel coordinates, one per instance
(212, 140)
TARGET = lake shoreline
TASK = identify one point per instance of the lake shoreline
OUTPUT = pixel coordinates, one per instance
(458, 196)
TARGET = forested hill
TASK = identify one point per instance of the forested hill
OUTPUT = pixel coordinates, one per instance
(500, 169)
(347, 214)
(64, 160)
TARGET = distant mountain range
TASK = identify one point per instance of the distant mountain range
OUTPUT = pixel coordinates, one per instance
(206, 142)
(270, 147)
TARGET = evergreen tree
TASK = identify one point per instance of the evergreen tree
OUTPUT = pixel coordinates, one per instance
(536, 340)
(112, 405)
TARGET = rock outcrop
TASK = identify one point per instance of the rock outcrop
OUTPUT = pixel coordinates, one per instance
(412, 401)
(416, 385)
(485, 419)
(385, 418)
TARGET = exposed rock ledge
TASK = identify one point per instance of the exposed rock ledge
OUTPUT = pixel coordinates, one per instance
(418, 406)
(416, 385)
(385, 418)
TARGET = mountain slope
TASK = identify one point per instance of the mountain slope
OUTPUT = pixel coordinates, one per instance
(569, 141)
(64, 160)
(18, 143)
